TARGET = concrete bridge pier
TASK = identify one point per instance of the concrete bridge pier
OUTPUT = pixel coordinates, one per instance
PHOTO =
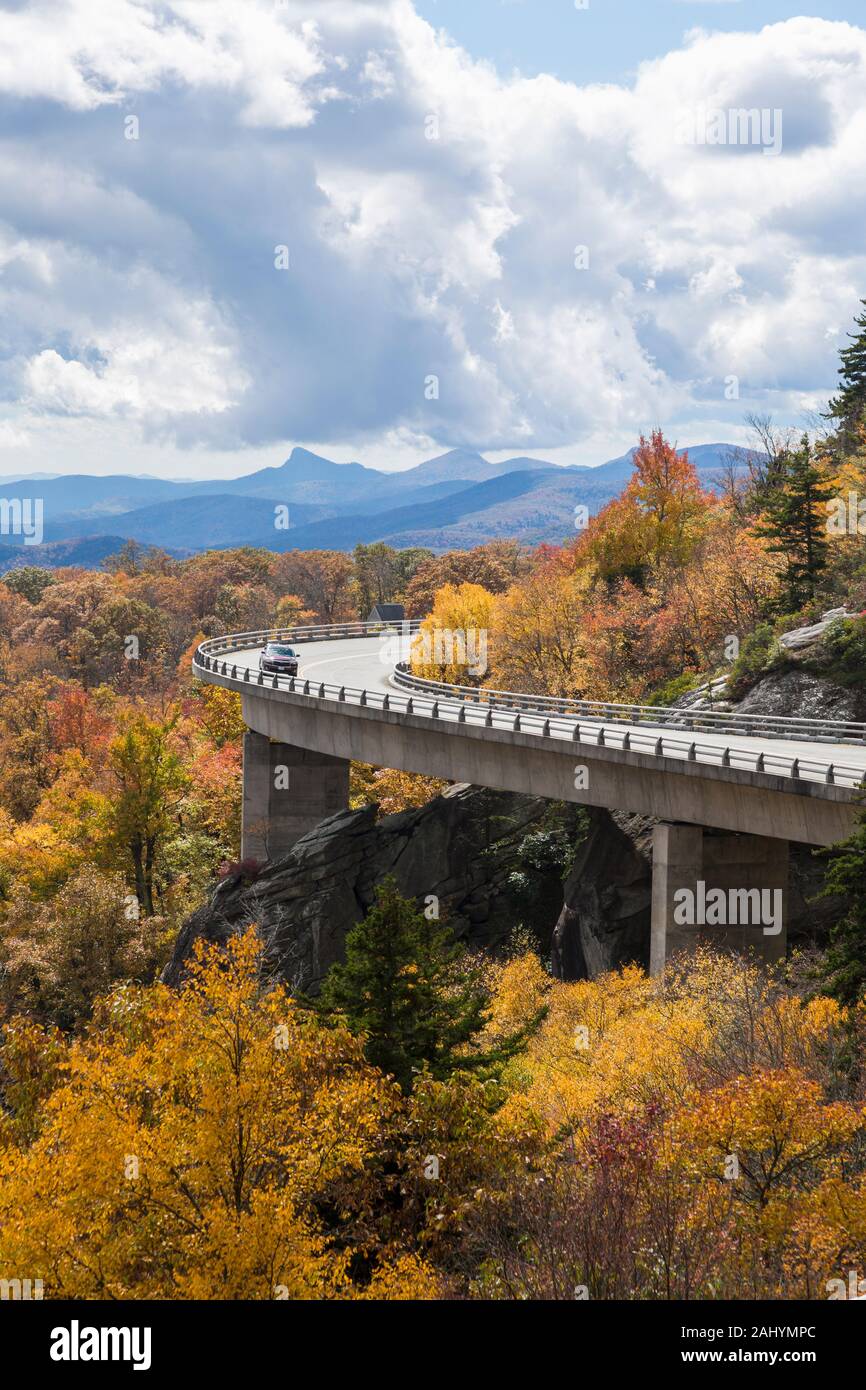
(287, 790)
(719, 889)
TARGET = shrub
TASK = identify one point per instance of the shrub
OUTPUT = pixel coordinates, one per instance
(759, 654)
(246, 869)
(843, 652)
(672, 690)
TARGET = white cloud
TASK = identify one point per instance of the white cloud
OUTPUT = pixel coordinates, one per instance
(146, 375)
(137, 280)
(11, 437)
(87, 54)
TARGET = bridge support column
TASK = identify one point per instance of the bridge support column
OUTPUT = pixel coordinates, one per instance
(287, 790)
(717, 889)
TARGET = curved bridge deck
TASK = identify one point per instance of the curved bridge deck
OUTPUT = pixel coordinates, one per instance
(347, 702)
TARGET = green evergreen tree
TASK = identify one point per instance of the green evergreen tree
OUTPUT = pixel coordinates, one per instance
(849, 406)
(795, 521)
(414, 993)
(30, 581)
(844, 970)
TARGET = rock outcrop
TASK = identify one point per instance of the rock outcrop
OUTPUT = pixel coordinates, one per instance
(800, 694)
(795, 688)
(605, 918)
(578, 880)
(798, 638)
(606, 914)
(493, 860)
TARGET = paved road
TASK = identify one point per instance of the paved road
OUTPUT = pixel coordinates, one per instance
(367, 663)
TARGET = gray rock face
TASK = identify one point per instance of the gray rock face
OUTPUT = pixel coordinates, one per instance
(605, 919)
(711, 695)
(800, 637)
(800, 694)
(794, 689)
(494, 860)
(487, 856)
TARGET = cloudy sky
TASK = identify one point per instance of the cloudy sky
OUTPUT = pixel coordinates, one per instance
(383, 229)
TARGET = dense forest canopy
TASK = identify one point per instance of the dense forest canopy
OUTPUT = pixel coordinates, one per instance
(547, 1137)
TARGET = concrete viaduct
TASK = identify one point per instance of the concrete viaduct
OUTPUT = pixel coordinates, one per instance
(730, 792)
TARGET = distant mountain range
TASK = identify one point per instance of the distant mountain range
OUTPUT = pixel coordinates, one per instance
(458, 499)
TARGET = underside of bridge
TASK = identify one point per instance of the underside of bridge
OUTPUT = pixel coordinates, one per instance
(710, 886)
(721, 890)
(287, 790)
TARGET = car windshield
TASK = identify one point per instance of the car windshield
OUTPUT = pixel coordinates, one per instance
(279, 650)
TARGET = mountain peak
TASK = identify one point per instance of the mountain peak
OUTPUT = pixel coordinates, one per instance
(303, 463)
(457, 463)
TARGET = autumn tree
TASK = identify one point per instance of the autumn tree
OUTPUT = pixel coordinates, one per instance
(204, 576)
(382, 573)
(666, 489)
(622, 658)
(221, 714)
(290, 612)
(764, 1133)
(149, 780)
(76, 720)
(59, 956)
(658, 518)
(14, 609)
(88, 622)
(67, 828)
(193, 1146)
(647, 1091)
(129, 559)
(392, 790)
(243, 607)
(723, 591)
(25, 745)
(491, 567)
(452, 643)
(540, 630)
(321, 579)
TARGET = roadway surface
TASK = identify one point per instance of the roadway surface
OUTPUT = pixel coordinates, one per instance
(368, 664)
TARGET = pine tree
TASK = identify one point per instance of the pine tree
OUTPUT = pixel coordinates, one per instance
(412, 991)
(849, 406)
(845, 963)
(795, 521)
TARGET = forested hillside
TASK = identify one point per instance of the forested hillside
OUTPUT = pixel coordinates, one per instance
(532, 1139)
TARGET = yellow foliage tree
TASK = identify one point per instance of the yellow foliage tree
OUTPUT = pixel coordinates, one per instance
(452, 644)
(390, 789)
(696, 1144)
(771, 1129)
(541, 631)
(66, 830)
(189, 1144)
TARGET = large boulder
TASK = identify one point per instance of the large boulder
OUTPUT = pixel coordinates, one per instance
(605, 918)
(578, 881)
(799, 638)
(606, 915)
(799, 694)
(493, 860)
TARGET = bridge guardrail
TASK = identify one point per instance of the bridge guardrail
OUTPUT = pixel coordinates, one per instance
(526, 718)
(705, 721)
(318, 632)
